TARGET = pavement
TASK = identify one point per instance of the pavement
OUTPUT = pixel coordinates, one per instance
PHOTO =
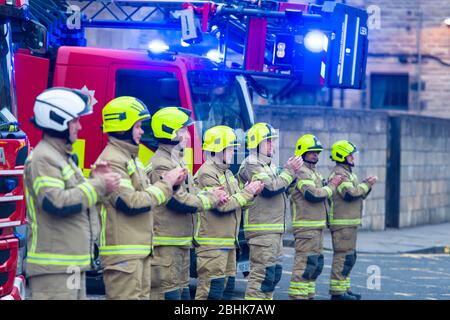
(423, 239)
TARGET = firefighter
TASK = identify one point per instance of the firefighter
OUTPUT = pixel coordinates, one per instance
(309, 202)
(264, 220)
(63, 223)
(345, 217)
(218, 229)
(174, 223)
(127, 214)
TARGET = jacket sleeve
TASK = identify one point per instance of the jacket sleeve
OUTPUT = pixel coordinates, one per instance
(132, 202)
(54, 198)
(237, 200)
(310, 192)
(272, 186)
(183, 201)
(349, 192)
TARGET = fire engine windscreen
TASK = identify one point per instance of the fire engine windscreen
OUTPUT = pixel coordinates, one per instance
(219, 99)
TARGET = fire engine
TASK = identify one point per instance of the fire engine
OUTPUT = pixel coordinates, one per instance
(322, 45)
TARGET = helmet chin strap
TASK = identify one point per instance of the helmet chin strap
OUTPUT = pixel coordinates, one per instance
(311, 162)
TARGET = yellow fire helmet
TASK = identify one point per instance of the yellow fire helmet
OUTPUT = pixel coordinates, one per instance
(121, 113)
(307, 143)
(218, 138)
(341, 149)
(167, 121)
(259, 132)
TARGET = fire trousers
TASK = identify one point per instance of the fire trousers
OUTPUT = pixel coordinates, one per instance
(59, 286)
(128, 280)
(266, 253)
(170, 273)
(344, 258)
(216, 271)
(308, 263)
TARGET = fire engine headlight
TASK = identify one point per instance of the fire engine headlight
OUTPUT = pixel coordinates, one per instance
(158, 46)
(316, 41)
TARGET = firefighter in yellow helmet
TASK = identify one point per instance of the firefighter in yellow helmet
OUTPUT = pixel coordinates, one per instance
(174, 223)
(309, 203)
(264, 220)
(345, 217)
(218, 229)
(127, 214)
(62, 220)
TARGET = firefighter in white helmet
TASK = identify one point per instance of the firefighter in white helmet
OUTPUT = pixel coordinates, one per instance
(63, 222)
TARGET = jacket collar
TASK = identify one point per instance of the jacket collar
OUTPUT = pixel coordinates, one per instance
(172, 152)
(59, 144)
(220, 166)
(311, 166)
(126, 147)
(345, 166)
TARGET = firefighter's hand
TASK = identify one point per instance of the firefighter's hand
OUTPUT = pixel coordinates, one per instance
(111, 181)
(100, 168)
(294, 164)
(255, 187)
(372, 180)
(221, 195)
(175, 176)
(336, 180)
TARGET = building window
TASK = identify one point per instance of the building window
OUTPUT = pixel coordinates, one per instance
(389, 91)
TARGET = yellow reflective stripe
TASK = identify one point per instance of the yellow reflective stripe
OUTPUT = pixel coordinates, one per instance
(90, 192)
(342, 222)
(260, 176)
(103, 231)
(206, 189)
(126, 183)
(301, 183)
(125, 249)
(172, 241)
(344, 185)
(309, 223)
(222, 179)
(32, 211)
(253, 298)
(294, 210)
(264, 227)
(131, 167)
(58, 259)
(139, 164)
(233, 179)
(240, 199)
(216, 241)
(67, 172)
(158, 193)
(364, 187)
(45, 181)
(338, 285)
(205, 201)
(299, 288)
(329, 191)
(286, 176)
(148, 168)
(312, 288)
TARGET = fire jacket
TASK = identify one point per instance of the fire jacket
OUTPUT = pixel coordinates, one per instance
(63, 223)
(174, 223)
(347, 202)
(219, 227)
(266, 214)
(127, 214)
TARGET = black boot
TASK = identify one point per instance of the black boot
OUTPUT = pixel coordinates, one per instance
(344, 296)
(357, 296)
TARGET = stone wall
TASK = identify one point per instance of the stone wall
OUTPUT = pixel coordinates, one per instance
(424, 170)
(368, 130)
